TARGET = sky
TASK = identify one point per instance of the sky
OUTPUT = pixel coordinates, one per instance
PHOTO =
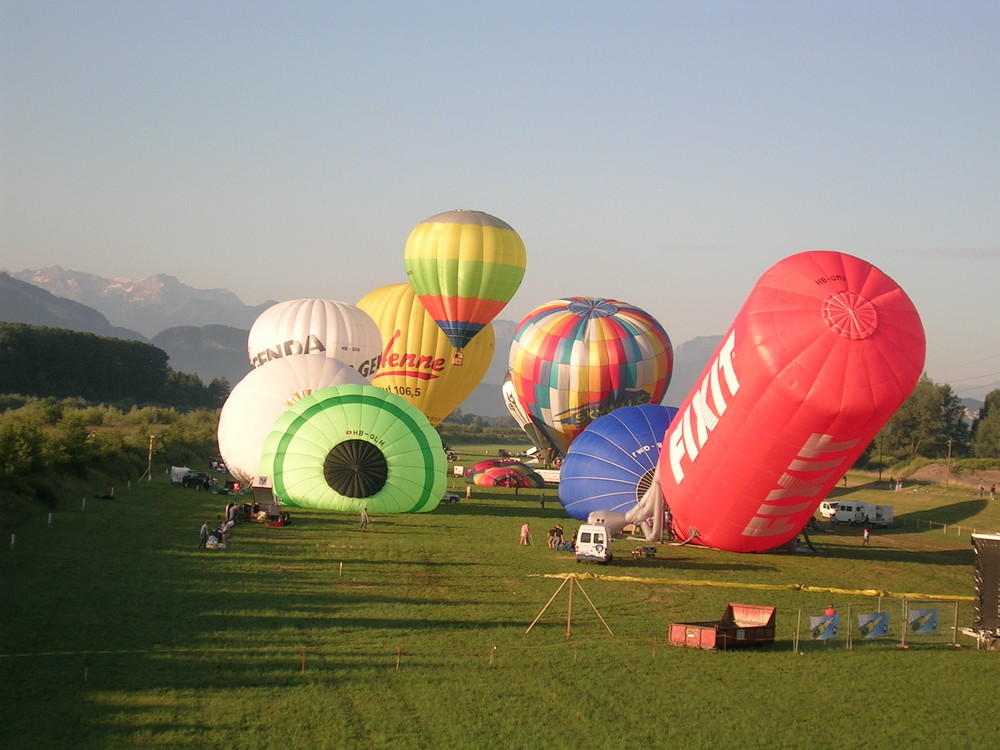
(662, 153)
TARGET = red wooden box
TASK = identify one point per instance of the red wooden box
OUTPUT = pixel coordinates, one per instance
(742, 625)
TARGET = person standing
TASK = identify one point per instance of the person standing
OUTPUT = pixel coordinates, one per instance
(866, 536)
(555, 537)
(993, 492)
(526, 535)
(364, 519)
(468, 492)
(204, 535)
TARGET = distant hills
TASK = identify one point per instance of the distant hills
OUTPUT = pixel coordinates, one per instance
(21, 302)
(149, 305)
(204, 331)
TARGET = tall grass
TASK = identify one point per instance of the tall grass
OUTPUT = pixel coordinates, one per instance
(120, 632)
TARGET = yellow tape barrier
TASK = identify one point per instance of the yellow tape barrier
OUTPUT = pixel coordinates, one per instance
(766, 587)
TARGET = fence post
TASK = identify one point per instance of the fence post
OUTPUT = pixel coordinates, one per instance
(850, 631)
(798, 623)
(903, 625)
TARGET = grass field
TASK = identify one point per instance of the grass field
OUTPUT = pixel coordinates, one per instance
(120, 633)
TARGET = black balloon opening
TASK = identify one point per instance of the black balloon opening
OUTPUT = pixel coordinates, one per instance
(355, 468)
(645, 482)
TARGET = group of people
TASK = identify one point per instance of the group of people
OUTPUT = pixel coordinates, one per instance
(993, 491)
(555, 538)
(216, 538)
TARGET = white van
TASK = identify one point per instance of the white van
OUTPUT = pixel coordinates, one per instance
(827, 508)
(862, 513)
(593, 542)
(851, 512)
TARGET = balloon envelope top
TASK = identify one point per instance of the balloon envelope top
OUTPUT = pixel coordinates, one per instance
(316, 326)
(577, 358)
(464, 266)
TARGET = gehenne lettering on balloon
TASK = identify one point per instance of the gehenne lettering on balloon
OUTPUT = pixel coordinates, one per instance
(420, 365)
(708, 403)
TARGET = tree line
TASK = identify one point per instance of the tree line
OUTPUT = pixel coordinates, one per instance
(932, 423)
(88, 424)
(43, 362)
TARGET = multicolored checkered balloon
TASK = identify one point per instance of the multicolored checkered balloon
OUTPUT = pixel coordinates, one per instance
(575, 359)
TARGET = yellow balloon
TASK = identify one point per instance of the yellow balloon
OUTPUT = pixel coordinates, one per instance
(417, 357)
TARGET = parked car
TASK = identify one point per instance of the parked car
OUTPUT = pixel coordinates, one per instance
(827, 508)
(200, 480)
(450, 497)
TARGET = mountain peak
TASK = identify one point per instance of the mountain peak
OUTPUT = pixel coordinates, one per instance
(147, 305)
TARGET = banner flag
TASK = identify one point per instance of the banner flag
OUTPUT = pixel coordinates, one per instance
(923, 620)
(875, 625)
(825, 627)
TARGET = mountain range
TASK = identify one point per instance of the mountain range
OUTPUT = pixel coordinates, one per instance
(204, 331)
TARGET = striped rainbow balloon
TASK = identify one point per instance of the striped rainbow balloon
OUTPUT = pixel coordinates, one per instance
(464, 266)
(575, 359)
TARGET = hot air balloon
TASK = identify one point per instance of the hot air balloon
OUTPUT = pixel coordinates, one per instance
(464, 266)
(575, 359)
(262, 396)
(355, 447)
(534, 431)
(316, 326)
(415, 361)
(503, 473)
(611, 463)
(820, 356)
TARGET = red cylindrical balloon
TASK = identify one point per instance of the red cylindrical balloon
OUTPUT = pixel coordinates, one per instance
(821, 355)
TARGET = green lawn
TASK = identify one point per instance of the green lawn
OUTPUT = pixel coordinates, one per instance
(121, 633)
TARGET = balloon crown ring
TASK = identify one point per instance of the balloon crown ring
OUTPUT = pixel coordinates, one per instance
(593, 307)
(850, 315)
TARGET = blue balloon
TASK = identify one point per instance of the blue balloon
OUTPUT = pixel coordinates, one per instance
(610, 464)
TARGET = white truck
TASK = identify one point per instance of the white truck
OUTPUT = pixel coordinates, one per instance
(857, 513)
(828, 508)
(593, 543)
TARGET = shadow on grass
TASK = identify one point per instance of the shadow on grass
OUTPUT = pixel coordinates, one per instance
(493, 509)
(673, 564)
(907, 523)
(949, 514)
(874, 553)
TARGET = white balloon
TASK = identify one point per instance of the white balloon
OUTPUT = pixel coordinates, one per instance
(263, 395)
(316, 326)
